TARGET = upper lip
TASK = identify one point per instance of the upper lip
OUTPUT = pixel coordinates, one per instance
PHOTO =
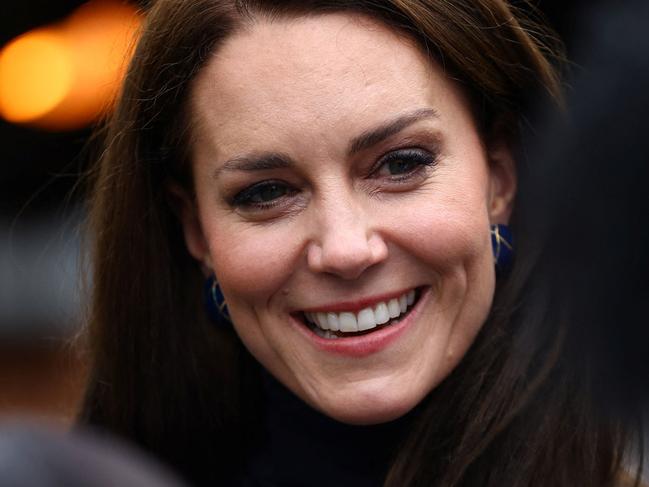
(356, 304)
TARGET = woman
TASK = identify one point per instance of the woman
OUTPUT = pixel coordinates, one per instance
(335, 167)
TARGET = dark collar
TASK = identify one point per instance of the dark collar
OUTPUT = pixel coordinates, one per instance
(304, 447)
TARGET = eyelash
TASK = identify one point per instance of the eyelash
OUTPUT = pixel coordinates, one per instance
(420, 158)
(244, 199)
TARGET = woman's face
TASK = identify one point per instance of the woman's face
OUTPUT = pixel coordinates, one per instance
(341, 182)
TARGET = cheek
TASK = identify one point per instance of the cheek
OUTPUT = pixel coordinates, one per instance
(452, 243)
(446, 242)
(252, 262)
(446, 229)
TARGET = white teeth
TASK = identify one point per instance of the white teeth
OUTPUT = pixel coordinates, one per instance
(403, 303)
(381, 313)
(326, 334)
(334, 323)
(347, 322)
(323, 322)
(393, 308)
(366, 319)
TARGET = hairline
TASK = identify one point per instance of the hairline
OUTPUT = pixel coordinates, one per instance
(249, 17)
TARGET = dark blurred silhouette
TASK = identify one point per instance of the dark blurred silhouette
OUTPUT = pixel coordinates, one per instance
(584, 196)
(33, 456)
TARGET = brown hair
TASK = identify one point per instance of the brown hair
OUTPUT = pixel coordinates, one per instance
(165, 378)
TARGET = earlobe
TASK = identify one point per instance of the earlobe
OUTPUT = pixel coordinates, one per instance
(502, 185)
(187, 212)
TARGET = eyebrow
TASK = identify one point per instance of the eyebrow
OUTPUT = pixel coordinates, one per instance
(379, 134)
(265, 161)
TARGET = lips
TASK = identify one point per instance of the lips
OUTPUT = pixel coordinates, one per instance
(333, 324)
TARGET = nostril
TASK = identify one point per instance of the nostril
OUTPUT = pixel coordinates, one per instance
(378, 247)
(347, 257)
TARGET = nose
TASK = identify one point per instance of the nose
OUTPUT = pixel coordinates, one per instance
(346, 243)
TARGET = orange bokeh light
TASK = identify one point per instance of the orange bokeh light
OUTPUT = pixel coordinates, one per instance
(65, 76)
(35, 75)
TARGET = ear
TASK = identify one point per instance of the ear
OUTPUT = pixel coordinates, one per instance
(185, 207)
(502, 181)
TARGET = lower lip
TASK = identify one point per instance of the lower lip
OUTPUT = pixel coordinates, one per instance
(364, 345)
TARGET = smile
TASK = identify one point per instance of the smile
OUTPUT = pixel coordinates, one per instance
(337, 324)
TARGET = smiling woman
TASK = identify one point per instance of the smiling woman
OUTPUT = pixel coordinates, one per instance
(333, 184)
(334, 170)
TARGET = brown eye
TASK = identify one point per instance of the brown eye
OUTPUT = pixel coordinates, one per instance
(268, 192)
(401, 166)
(262, 194)
(403, 162)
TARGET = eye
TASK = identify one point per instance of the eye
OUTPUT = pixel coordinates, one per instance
(403, 163)
(262, 195)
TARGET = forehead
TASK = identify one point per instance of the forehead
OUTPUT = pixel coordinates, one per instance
(328, 73)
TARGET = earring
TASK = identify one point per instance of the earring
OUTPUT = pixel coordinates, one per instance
(502, 246)
(215, 305)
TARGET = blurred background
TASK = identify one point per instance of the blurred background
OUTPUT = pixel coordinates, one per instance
(61, 62)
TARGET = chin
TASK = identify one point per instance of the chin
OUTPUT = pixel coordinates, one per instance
(364, 409)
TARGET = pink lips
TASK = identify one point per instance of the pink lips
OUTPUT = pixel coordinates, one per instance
(362, 345)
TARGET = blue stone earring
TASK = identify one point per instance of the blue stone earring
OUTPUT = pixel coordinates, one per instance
(215, 305)
(502, 245)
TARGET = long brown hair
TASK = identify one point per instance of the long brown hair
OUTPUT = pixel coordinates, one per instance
(164, 377)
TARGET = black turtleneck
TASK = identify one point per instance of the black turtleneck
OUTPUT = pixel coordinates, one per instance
(302, 447)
